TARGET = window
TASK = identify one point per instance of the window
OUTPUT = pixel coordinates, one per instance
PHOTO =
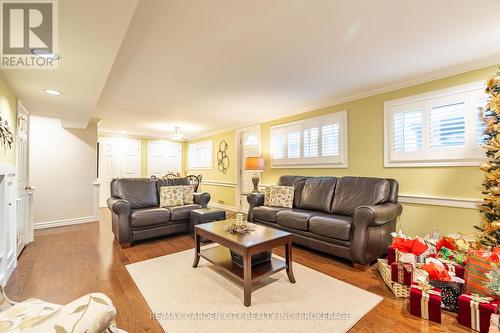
(315, 142)
(442, 128)
(200, 155)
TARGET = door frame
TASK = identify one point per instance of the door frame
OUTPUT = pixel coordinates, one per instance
(239, 144)
(21, 110)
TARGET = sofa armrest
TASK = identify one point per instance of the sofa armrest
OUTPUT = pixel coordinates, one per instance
(119, 206)
(202, 199)
(377, 215)
(372, 231)
(254, 200)
(120, 220)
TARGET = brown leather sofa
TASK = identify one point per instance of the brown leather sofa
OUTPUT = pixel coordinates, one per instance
(136, 215)
(348, 217)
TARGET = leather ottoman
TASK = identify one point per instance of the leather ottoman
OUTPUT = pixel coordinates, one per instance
(205, 215)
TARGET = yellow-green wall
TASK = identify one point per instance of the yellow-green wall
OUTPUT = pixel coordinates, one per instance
(8, 111)
(366, 158)
(220, 194)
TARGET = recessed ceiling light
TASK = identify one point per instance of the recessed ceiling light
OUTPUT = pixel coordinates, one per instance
(46, 54)
(52, 92)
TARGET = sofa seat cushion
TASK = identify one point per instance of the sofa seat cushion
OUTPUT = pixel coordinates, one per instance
(143, 217)
(334, 226)
(266, 213)
(182, 212)
(295, 218)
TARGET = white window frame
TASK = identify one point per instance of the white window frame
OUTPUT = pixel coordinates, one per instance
(340, 161)
(203, 145)
(472, 154)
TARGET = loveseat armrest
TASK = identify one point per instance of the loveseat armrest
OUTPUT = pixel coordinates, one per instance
(202, 199)
(372, 231)
(119, 206)
(254, 200)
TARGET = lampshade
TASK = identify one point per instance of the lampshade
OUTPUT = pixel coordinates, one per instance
(254, 164)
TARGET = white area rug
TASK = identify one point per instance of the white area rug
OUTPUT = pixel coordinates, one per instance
(186, 299)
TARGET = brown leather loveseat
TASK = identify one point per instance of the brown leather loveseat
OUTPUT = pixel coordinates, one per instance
(136, 215)
(348, 217)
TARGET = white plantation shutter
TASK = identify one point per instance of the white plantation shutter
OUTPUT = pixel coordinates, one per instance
(314, 142)
(293, 144)
(408, 130)
(439, 128)
(311, 142)
(200, 155)
(278, 144)
(330, 140)
(447, 122)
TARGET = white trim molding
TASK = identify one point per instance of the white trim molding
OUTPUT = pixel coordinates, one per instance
(440, 201)
(66, 222)
(218, 183)
(221, 206)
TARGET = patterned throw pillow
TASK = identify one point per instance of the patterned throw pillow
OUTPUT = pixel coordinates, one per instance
(188, 194)
(279, 196)
(171, 196)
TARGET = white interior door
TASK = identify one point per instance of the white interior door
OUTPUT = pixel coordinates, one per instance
(118, 158)
(164, 157)
(24, 191)
(249, 146)
(131, 159)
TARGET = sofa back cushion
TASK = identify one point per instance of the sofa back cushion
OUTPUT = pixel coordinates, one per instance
(317, 193)
(139, 192)
(352, 192)
(297, 182)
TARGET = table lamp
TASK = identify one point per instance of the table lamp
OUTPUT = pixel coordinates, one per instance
(254, 164)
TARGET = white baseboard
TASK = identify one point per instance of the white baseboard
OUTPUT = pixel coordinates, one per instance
(221, 206)
(62, 223)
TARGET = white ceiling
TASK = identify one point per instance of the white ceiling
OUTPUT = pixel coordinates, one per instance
(90, 35)
(212, 65)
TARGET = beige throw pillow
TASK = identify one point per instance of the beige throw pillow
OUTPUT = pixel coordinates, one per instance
(279, 196)
(188, 194)
(171, 196)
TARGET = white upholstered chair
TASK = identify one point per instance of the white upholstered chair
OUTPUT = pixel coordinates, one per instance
(92, 313)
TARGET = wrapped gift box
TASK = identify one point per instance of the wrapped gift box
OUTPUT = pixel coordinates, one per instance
(450, 291)
(455, 269)
(475, 311)
(392, 255)
(425, 302)
(402, 273)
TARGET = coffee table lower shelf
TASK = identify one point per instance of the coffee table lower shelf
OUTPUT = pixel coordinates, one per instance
(221, 257)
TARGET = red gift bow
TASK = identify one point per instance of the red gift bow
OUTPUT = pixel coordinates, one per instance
(406, 245)
(447, 242)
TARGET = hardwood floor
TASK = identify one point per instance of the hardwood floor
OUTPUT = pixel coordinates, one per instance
(65, 263)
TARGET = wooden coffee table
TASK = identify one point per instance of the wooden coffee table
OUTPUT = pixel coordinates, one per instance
(260, 240)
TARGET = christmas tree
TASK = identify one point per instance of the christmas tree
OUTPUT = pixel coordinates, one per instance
(490, 209)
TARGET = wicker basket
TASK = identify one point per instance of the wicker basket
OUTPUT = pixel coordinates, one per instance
(397, 289)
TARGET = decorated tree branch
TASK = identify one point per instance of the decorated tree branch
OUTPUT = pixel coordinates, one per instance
(490, 209)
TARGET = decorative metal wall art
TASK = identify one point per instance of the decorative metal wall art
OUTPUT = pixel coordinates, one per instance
(222, 158)
(6, 136)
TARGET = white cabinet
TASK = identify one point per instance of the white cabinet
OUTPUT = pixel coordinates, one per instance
(118, 158)
(164, 157)
(8, 233)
